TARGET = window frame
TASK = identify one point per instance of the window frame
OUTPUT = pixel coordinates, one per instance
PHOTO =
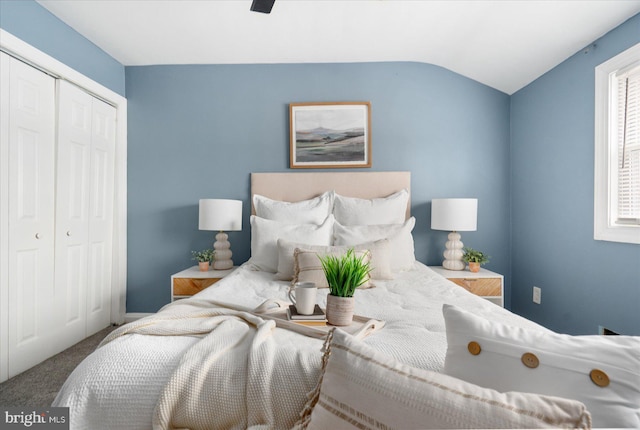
(605, 149)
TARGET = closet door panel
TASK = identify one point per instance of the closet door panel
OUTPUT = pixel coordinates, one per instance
(31, 151)
(4, 213)
(72, 210)
(57, 167)
(26, 296)
(101, 216)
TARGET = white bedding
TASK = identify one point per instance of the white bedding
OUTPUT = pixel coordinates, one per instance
(118, 385)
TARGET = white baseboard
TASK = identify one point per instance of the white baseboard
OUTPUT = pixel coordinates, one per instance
(132, 316)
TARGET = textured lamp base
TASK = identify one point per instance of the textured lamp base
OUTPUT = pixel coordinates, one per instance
(222, 258)
(453, 254)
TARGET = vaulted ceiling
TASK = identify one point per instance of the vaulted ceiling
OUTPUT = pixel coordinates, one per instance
(504, 44)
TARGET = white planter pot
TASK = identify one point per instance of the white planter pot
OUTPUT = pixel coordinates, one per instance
(340, 310)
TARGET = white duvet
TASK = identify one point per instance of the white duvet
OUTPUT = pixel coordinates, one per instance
(119, 385)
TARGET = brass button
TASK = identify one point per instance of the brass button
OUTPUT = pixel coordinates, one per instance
(599, 378)
(530, 360)
(474, 348)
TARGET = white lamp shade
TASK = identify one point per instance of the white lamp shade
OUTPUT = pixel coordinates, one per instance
(220, 215)
(454, 214)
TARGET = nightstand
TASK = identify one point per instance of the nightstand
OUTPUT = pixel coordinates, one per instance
(191, 281)
(484, 283)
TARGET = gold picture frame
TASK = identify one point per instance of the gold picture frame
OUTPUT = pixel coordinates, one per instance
(329, 135)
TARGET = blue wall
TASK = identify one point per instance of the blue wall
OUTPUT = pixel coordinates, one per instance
(34, 24)
(585, 283)
(199, 131)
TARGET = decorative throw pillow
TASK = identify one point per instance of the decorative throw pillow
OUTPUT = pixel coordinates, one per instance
(308, 267)
(401, 248)
(603, 372)
(387, 210)
(265, 234)
(379, 257)
(362, 388)
(312, 211)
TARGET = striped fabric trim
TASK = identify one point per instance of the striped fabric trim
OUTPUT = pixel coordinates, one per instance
(347, 413)
(519, 411)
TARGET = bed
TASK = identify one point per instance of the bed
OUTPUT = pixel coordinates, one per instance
(217, 361)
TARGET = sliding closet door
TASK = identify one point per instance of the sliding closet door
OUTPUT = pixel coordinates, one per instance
(103, 141)
(72, 211)
(57, 220)
(84, 214)
(30, 209)
(4, 215)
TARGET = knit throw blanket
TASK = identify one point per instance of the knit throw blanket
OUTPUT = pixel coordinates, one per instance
(243, 373)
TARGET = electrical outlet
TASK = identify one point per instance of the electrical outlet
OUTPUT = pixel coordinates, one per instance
(537, 295)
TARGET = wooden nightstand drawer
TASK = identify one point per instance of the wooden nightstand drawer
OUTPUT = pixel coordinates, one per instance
(191, 286)
(191, 281)
(486, 284)
(480, 286)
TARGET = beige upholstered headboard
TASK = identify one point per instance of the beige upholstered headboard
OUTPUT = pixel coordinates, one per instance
(296, 186)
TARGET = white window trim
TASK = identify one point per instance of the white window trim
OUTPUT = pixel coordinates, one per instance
(604, 228)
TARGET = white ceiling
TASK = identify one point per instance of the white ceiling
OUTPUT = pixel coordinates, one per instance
(505, 44)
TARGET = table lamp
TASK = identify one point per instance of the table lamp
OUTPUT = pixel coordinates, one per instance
(221, 215)
(454, 215)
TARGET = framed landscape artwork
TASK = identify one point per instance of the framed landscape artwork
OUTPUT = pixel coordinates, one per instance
(330, 135)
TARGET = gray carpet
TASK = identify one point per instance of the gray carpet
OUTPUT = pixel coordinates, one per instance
(38, 386)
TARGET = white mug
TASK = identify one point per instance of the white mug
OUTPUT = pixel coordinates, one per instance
(305, 297)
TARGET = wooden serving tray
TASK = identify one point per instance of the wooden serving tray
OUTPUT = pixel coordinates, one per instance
(276, 310)
(361, 326)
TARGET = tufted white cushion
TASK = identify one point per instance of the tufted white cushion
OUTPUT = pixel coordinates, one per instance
(312, 211)
(508, 357)
(401, 248)
(265, 234)
(363, 388)
(379, 257)
(356, 211)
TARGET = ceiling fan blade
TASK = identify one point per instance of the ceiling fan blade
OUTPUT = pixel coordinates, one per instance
(263, 6)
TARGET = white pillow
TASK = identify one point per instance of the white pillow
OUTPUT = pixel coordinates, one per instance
(265, 234)
(363, 388)
(307, 266)
(565, 365)
(379, 249)
(312, 211)
(387, 210)
(401, 249)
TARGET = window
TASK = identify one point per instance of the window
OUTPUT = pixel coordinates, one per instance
(617, 149)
